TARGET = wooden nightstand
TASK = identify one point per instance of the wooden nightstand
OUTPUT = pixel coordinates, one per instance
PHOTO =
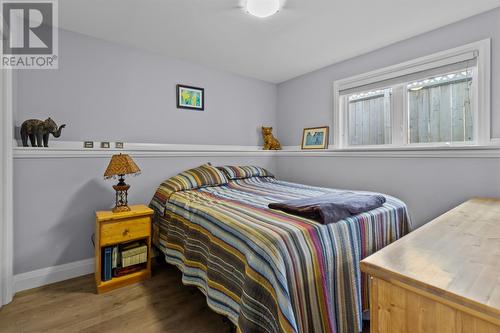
(117, 228)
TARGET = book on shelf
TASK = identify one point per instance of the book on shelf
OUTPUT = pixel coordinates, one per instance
(115, 256)
(122, 259)
(132, 254)
(121, 271)
(107, 270)
(133, 249)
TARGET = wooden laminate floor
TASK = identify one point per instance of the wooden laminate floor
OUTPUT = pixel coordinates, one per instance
(162, 304)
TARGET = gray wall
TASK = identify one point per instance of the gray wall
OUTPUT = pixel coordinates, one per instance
(429, 186)
(307, 101)
(55, 200)
(107, 92)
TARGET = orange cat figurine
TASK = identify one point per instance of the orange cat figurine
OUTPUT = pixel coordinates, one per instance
(270, 142)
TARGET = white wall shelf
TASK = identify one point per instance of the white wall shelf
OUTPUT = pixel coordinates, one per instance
(73, 149)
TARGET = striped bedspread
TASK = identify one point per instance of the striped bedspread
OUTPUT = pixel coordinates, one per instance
(269, 271)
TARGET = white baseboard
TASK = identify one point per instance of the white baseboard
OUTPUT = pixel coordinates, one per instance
(48, 275)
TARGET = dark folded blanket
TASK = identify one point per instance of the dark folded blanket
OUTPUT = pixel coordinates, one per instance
(331, 207)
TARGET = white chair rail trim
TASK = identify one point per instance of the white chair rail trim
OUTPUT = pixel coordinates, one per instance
(74, 149)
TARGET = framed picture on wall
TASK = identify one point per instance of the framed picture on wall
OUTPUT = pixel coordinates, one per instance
(315, 138)
(192, 98)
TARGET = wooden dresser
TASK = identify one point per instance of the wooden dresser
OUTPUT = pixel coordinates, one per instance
(443, 277)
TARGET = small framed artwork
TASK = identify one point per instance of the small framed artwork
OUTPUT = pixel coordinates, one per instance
(119, 145)
(105, 145)
(192, 98)
(88, 144)
(315, 138)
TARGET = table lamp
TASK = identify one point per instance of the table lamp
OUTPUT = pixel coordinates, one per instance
(121, 165)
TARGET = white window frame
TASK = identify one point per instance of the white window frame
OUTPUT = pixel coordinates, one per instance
(480, 101)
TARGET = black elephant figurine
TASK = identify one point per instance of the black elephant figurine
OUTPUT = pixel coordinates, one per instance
(38, 131)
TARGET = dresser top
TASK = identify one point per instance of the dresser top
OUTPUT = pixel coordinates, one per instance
(456, 256)
(135, 210)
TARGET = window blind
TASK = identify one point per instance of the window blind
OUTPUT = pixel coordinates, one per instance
(463, 61)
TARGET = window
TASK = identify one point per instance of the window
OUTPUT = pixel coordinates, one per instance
(438, 100)
(369, 118)
(439, 109)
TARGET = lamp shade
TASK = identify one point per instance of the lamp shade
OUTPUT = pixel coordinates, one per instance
(121, 164)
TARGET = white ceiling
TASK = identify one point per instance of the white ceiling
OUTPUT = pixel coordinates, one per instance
(304, 36)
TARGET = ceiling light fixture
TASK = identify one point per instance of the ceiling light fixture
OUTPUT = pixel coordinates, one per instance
(263, 8)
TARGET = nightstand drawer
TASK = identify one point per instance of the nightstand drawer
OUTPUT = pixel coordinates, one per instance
(125, 230)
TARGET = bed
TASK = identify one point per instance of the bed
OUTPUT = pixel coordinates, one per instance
(266, 270)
